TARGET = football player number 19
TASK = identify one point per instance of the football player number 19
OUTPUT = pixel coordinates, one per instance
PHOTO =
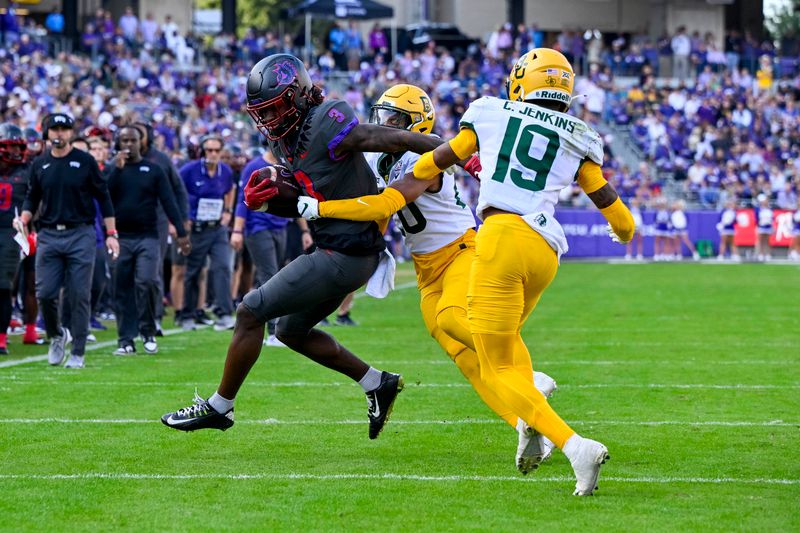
(540, 167)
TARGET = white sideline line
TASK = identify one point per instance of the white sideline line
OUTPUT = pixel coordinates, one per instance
(89, 348)
(13, 380)
(106, 344)
(469, 421)
(398, 477)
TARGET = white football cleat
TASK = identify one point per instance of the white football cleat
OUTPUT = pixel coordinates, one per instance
(533, 448)
(529, 451)
(586, 458)
(546, 385)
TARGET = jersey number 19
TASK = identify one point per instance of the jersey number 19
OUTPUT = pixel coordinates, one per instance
(540, 167)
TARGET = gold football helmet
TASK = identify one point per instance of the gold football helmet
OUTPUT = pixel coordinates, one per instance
(541, 74)
(406, 107)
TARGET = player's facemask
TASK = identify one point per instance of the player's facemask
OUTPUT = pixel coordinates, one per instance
(394, 118)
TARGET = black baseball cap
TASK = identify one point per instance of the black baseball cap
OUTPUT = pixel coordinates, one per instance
(58, 120)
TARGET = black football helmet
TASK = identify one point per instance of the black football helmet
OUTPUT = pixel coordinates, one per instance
(279, 95)
(12, 144)
(35, 143)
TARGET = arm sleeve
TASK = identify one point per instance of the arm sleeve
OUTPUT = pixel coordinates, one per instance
(621, 220)
(99, 187)
(590, 176)
(167, 199)
(365, 208)
(466, 142)
(590, 179)
(34, 195)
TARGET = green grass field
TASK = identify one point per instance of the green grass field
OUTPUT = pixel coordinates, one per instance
(689, 373)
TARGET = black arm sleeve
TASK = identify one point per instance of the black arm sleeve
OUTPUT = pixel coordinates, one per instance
(34, 195)
(167, 199)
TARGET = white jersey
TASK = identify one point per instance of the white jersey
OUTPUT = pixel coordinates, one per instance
(528, 154)
(433, 220)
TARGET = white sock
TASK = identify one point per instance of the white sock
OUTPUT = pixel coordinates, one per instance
(371, 380)
(220, 404)
(570, 448)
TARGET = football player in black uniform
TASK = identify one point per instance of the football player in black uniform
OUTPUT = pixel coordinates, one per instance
(13, 186)
(322, 144)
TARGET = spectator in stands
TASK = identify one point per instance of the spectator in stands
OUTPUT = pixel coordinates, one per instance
(129, 25)
(681, 49)
(378, 43)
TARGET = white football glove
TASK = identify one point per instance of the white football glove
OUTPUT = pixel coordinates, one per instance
(613, 236)
(308, 207)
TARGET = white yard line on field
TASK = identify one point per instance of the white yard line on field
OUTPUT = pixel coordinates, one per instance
(123, 476)
(468, 421)
(51, 380)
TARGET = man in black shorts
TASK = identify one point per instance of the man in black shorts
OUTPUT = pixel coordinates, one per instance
(322, 143)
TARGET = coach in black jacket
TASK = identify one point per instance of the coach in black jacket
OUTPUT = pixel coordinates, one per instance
(63, 184)
(137, 186)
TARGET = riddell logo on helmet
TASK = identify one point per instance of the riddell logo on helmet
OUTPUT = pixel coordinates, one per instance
(552, 95)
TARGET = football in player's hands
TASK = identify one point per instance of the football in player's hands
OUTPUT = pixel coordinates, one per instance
(273, 190)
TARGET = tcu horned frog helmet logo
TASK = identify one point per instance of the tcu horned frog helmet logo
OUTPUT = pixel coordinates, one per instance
(285, 72)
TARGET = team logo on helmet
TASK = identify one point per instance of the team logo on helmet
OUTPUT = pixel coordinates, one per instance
(285, 72)
(426, 104)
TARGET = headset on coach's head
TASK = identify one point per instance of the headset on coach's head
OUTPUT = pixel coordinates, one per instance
(210, 137)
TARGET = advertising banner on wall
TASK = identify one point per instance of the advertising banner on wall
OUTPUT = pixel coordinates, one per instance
(587, 237)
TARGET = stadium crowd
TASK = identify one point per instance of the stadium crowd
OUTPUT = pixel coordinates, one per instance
(716, 127)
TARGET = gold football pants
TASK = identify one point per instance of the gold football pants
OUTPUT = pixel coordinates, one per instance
(513, 266)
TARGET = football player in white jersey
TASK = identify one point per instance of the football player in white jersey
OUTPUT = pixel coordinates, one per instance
(530, 149)
(439, 230)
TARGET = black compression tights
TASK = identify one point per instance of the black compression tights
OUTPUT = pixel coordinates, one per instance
(5, 309)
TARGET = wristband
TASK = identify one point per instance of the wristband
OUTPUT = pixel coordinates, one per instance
(305, 231)
(227, 210)
(112, 234)
(237, 231)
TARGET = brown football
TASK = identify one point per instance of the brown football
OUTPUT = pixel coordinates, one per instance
(285, 203)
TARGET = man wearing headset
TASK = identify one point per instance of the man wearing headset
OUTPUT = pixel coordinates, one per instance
(211, 193)
(63, 186)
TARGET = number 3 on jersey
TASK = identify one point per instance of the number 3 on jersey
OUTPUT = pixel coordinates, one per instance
(540, 167)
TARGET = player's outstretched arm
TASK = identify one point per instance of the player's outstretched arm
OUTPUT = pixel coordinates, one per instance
(605, 197)
(455, 151)
(375, 138)
(371, 207)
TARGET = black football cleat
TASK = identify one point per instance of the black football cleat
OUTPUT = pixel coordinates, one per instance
(381, 401)
(198, 416)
